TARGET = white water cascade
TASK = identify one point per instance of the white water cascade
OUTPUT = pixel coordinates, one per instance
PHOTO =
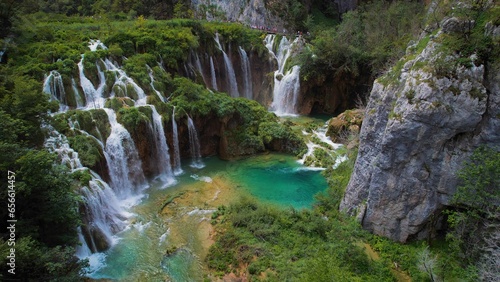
(151, 77)
(78, 97)
(194, 145)
(125, 167)
(177, 156)
(53, 85)
(286, 85)
(231, 76)
(104, 213)
(212, 73)
(123, 81)
(247, 73)
(166, 174)
(199, 68)
(93, 96)
(96, 44)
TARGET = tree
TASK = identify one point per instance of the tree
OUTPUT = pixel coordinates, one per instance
(475, 223)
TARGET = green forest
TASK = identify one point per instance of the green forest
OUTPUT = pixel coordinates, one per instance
(265, 242)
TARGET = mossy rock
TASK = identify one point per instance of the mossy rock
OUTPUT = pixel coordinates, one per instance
(116, 103)
(348, 122)
(89, 150)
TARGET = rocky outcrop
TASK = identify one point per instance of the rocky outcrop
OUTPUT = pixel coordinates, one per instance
(420, 125)
(250, 12)
(344, 125)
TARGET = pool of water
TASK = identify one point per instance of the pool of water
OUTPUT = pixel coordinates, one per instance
(144, 249)
(278, 179)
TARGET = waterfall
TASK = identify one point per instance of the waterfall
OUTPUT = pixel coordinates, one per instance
(212, 73)
(78, 97)
(93, 96)
(123, 80)
(125, 167)
(95, 44)
(286, 85)
(162, 149)
(286, 92)
(177, 156)
(247, 73)
(233, 85)
(83, 250)
(103, 213)
(199, 68)
(231, 76)
(53, 85)
(151, 77)
(194, 145)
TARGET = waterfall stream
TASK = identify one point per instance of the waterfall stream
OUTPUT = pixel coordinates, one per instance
(247, 73)
(286, 82)
(125, 168)
(177, 157)
(166, 174)
(194, 145)
(103, 212)
(151, 77)
(231, 76)
(78, 97)
(93, 96)
(212, 73)
(53, 85)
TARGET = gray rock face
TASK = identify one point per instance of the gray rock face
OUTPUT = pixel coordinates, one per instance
(251, 12)
(416, 134)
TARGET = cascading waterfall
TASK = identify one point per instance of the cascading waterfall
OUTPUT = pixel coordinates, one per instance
(96, 44)
(247, 73)
(166, 174)
(177, 156)
(286, 85)
(150, 72)
(199, 68)
(123, 80)
(231, 76)
(212, 73)
(104, 214)
(78, 97)
(194, 145)
(125, 168)
(286, 92)
(53, 85)
(93, 96)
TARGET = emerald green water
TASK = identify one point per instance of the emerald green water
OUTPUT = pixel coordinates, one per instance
(140, 253)
(279, 179)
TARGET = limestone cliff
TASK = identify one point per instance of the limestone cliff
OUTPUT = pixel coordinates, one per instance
(251, 12)
(423, 120)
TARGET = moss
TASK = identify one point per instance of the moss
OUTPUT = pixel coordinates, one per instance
(131, 118)
(410, 94)
(477, 94)
(60, 123)
(117, 103)
(83, 176)
(89, 150)
(102, 127)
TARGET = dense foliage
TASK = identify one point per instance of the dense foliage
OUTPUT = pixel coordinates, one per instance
(475, 219)
(368, 40)
(45, 201)
(269, 243)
